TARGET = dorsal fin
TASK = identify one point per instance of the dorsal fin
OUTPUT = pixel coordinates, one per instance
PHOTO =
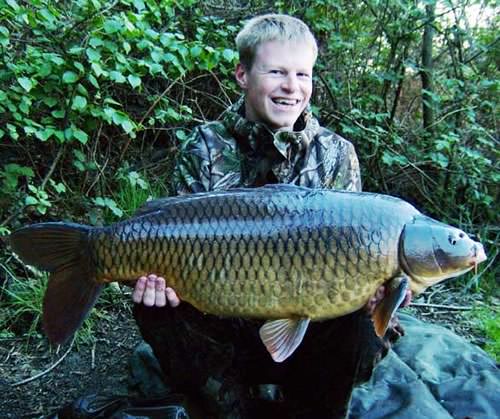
(164, 203)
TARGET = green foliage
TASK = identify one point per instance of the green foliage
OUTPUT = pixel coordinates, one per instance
(93, 76)
(97, 96)
(21, 307)
(487, 320)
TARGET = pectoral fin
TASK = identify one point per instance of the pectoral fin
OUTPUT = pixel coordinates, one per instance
(282, 337)
(395, 295)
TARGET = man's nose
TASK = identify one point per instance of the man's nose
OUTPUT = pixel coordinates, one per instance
(290, 83)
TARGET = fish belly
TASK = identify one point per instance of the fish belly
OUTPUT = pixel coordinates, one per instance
(309, 254)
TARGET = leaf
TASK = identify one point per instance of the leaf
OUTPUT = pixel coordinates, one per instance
(79, 66)
(96, 42)
(45, 134)
(59, 114)
(108, 203)
(196, 51)
(126, 47)
(30, 200)
(98, 69)
(117, 77)
(69, 77)
(93, 54)
(13, 4)
(79, 103)
(56, 59)
(79, 155)
(127, 126)
(25, 83)
(80, 135)
(139, 5)
(229, 54)
(134, 80)
(93, 81)
(112, 26)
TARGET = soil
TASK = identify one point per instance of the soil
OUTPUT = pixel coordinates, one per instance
(102, 367)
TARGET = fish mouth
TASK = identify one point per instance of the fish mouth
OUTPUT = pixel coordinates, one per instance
(478, 256)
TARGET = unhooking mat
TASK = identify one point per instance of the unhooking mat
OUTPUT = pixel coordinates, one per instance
(431, 373)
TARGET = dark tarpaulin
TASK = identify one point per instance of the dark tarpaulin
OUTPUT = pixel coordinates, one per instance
(430, 373)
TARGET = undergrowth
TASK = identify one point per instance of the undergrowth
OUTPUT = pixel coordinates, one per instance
(22, 300)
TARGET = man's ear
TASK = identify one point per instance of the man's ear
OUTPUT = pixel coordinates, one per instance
(241, 76)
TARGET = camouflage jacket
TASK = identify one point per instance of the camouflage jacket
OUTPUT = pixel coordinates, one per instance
(235, 152)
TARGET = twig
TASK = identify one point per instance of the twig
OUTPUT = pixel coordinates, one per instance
(92, 364)
(221, 87)
(441, 306)
(148, 112)
(27, 380)
(52, 167)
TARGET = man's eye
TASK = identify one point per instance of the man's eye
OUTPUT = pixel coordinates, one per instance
(304, 75)
(276, 72)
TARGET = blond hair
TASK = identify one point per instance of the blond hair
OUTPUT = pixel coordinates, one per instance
(271, 27)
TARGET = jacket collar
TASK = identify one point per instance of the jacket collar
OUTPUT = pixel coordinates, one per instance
(258, 136)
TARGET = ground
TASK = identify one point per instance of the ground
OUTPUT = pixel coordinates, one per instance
(102, 366)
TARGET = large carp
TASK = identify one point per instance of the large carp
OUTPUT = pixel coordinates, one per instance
(284, 253)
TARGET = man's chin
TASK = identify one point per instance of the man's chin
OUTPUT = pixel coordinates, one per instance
(282, 124)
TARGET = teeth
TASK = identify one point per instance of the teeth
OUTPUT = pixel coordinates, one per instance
(289, 102)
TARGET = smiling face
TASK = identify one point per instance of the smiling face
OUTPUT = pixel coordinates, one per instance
(278, 86)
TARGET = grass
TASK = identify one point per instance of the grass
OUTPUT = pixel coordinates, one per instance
(23, 289)
(487, 321)
(131, 192)
(21, 307)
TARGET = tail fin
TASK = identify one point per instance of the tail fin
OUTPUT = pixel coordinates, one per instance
(63, 250)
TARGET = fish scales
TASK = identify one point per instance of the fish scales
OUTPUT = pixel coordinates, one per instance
(278, 252)
(262, 255)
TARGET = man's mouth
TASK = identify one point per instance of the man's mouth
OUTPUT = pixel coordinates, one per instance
(286, 102)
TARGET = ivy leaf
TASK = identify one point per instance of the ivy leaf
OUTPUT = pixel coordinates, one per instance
(25, 83)
(70, 77)
(134, 80)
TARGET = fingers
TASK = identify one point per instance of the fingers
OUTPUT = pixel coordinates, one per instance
(151, 291)
(172, 297)
(159, 296)
(139, 288)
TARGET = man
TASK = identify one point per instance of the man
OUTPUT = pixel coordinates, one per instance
(269, 136)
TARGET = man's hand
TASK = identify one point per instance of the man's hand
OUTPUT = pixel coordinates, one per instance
(151, 291)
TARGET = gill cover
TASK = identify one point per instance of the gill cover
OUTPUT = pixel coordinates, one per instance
(433, 251)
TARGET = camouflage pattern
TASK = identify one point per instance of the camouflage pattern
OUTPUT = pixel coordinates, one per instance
(223, 360)
(236, 152)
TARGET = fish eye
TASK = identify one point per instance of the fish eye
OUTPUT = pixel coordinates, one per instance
(461, 235)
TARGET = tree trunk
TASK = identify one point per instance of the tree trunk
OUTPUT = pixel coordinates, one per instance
(426, 72)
